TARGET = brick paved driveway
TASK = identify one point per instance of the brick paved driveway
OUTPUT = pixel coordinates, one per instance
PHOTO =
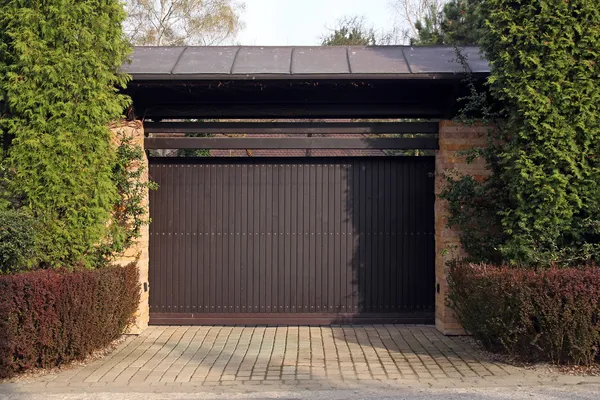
(345, 356)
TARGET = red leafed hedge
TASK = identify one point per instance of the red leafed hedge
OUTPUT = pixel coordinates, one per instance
(48, 317)
(551, 314)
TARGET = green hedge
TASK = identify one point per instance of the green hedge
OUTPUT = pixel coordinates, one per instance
(48, 318)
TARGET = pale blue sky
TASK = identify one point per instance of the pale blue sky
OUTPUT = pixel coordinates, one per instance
(303, 22)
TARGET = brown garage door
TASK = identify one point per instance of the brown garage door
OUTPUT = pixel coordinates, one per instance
(292, 241)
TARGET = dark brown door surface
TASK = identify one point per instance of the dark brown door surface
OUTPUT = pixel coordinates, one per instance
(292, 241)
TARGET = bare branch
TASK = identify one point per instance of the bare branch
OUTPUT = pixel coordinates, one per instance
(182, 22)
(411, 11)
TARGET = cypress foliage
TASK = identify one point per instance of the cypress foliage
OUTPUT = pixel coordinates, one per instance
(59, 62)
(541, 204)
(545, 71)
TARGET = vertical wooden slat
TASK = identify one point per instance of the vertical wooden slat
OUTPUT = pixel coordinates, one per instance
(327, 239)
(204, 217)
(317, 237)
(213, 209)
(269, 273)
(245, 239)
(254, 245)
(181, 241)
(162, 228)
(377, 248)
(342, 235)
(179, 275)
(405, 237)
(331, 238)
(187, 247)
(388, 190)
(313, 206)
(281, 238)
(369, 227)
(219, 230)
(339, 270)
(169, 238)
(288, 238)
(420, 245)
(306, 259)
(294, 298)
(394, 244)
(275, 245)
(262, 237)
(194, 235)
(353, 215)
(235, 192)
(413, 219)
(230, 196)
(362, 213)
(301, 251)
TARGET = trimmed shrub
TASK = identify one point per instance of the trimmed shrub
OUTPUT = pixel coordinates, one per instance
(551, 315)
(49, 317)
(17, 240)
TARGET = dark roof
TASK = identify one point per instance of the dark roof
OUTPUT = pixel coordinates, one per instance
(333, 62)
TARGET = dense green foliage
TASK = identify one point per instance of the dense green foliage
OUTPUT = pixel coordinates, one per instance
(17, 240)
(545, 73)
(50, 318)
(541, 205)
(549, 315)
(58, 93)
(459, 22)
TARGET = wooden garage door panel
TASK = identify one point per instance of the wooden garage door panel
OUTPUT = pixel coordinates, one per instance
(291, 236)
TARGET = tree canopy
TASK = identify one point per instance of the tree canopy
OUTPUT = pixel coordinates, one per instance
(458, 22)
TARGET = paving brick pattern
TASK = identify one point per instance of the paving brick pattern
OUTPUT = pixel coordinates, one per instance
(339, 356)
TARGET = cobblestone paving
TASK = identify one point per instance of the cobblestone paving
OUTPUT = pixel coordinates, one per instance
(343, 356)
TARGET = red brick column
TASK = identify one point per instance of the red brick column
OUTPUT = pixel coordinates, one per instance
(138, 252)
(453, 138)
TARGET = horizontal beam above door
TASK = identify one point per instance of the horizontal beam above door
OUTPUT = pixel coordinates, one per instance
(291, 143)
(291, 127)
(256, 110)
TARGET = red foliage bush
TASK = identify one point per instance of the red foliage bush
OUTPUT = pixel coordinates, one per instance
(549, 314)
(49, 317)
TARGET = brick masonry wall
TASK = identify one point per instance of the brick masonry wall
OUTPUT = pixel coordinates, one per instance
(453, 138)
(139, 251)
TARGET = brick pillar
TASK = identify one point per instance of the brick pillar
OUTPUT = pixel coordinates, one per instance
(138, 252)
(453, 138)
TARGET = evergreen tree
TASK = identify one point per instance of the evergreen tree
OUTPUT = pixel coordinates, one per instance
(541, 203)
(459, 22)
(545, 73)
(59, 79)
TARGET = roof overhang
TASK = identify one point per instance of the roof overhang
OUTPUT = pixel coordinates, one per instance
(302, 63)
(300, 82)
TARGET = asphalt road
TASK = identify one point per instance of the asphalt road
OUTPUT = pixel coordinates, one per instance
(591, 392)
